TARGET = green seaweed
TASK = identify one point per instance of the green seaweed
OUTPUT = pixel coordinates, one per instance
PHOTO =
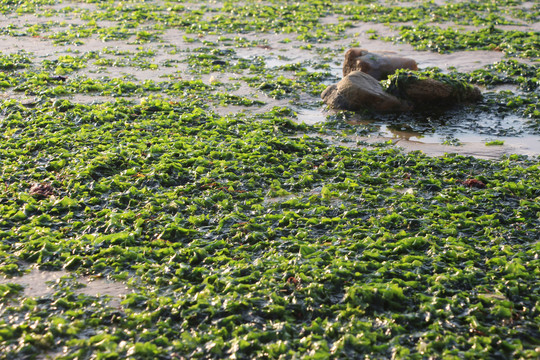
(242, 233)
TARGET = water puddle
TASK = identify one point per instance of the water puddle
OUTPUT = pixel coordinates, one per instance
(476, 149)
(312, 116)
(456, 131)
(525, 145)
(39, 283)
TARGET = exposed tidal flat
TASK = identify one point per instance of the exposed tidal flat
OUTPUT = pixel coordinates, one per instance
(172, 185)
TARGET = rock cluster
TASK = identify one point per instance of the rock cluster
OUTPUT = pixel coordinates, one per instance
(360, 87)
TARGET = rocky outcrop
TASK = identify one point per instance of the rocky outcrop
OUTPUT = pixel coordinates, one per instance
(404, 90)
(360, 91)
(377, 65)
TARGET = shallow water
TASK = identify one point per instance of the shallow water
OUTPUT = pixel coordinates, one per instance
(526, 144)
(462, 134)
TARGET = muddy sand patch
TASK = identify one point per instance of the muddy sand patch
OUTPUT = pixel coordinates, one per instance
(40, 283)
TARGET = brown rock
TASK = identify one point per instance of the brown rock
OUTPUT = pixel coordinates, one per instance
(360, 91)
(433, 92)
(428, 90)
(377, 65)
